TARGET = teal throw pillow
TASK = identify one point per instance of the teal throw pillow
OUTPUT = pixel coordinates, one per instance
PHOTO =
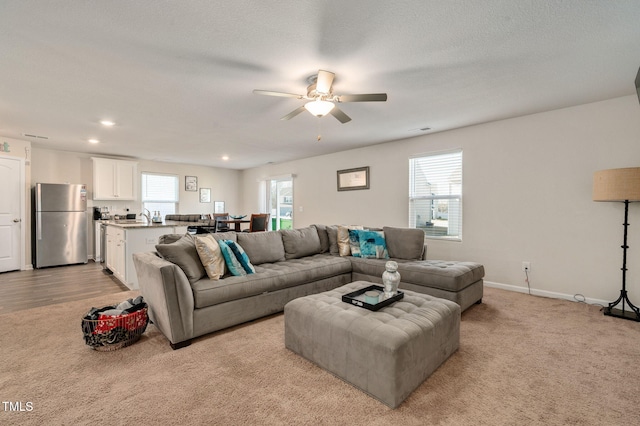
(373, 245)
(232, 254)
(242, 257)
(354, 242)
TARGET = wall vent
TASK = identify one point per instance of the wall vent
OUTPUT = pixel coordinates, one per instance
(34, 136)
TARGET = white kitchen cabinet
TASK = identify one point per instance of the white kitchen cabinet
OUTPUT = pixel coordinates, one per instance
(122, 243)
(116, 252)
(114, 179)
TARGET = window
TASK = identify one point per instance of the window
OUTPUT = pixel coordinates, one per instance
(160, 192)
(435, 194)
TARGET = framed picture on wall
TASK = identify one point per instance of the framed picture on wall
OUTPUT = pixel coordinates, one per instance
(191, 183)
(218, 207)
(351, 179)
(205, 195)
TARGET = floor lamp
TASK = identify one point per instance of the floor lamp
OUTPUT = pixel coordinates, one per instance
(622, 185)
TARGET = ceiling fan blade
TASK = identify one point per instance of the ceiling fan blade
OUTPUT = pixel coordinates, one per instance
(293, 113)
(324, 81)
(282, 94)
(369, 97)
(341, 116)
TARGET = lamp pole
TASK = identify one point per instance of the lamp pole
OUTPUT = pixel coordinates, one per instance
(622, 313)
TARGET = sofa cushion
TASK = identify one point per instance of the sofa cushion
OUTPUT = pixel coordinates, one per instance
(210, 256)
(231, 235)
(324, 237)
(404, 243)
(300, 242)
(169, 238)
(184, 254)
(445, 275)
(262, 247)
(270, 277)
(372, 244)
(332, 234)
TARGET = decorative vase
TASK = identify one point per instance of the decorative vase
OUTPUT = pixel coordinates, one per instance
(390, 279)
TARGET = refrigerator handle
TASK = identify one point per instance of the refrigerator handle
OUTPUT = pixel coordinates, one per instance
(38, 197)
(39, 226)
(38, 212)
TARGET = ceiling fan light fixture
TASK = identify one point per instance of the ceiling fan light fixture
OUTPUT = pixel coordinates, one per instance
(319, 108)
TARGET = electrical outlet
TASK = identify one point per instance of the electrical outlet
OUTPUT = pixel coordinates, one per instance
(526, 266)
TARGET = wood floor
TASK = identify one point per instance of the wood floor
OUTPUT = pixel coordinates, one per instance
(39, 287)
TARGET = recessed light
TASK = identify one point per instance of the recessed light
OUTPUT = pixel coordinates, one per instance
(107, 123)
(94, 141)
(225, 157)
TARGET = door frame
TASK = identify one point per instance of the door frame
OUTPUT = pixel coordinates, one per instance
(23, 208)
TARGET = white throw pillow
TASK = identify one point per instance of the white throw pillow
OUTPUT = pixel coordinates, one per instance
(210, 256)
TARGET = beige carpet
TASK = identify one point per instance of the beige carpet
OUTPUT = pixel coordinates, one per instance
(522, 360)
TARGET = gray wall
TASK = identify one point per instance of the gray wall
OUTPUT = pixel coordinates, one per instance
(527, 196)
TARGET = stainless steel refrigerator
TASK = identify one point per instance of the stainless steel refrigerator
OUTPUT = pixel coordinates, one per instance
(60, 234)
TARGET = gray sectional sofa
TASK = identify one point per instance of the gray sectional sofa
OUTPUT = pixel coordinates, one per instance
(184, 303)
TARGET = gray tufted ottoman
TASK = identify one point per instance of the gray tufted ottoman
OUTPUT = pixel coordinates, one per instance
(387, 353)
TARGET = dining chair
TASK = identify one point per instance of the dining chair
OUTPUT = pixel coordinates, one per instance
(219, 226)
(259, 222)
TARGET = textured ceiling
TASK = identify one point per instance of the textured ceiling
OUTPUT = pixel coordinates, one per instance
(177, 76)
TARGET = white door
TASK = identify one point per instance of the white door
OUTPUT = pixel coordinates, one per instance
(10, 213)
(281, 203)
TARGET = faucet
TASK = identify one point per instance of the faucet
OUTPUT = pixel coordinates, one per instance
(147, 216)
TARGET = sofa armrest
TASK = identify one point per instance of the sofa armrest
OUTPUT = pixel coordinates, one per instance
(168, 293)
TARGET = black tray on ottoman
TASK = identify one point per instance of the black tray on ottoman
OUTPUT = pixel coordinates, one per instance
(357, 298)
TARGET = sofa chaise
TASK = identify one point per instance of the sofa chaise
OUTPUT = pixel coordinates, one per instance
(185, 303)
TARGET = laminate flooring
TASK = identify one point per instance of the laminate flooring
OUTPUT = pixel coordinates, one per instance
(40, 287)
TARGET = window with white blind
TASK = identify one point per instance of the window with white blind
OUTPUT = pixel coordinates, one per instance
(160, 193)
(435, 194)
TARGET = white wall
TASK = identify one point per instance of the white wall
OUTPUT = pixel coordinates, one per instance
(527, 195)
(72, 167)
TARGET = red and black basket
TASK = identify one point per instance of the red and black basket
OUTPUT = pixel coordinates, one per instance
(109, 333)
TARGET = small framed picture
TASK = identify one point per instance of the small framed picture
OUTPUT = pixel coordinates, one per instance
(205, 195)
(218, 207)
(351, 179)
(191, 183)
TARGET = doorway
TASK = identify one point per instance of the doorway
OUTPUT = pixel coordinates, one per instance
(12, 201)
(280, 203)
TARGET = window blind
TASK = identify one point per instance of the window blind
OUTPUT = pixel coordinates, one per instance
(159, 188)
(435, 194)
(160, 193)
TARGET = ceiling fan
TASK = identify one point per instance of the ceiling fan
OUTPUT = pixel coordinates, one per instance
(322, 100)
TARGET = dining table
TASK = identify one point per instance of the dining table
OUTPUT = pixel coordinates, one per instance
(235, 222)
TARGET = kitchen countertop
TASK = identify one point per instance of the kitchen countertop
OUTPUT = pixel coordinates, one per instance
(134, 224)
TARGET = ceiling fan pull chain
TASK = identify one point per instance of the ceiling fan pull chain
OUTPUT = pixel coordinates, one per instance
(319, 130)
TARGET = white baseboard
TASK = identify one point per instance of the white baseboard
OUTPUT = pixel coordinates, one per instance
(550, 294)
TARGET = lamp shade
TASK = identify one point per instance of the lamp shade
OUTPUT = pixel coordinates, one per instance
(319, 108)
(617, 184)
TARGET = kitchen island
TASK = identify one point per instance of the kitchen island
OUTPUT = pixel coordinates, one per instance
(125, 237)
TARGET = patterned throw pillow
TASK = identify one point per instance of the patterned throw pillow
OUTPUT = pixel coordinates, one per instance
(211, 256)
(373, 245)
(242, 257)
(236, 259)
(354, 242)
(344, 246)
